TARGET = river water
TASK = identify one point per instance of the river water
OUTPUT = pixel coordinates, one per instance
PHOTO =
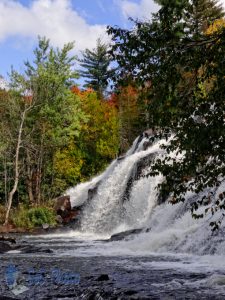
(172, 256)
(131, 274)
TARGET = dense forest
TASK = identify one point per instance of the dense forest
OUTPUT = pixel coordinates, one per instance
(166, 73)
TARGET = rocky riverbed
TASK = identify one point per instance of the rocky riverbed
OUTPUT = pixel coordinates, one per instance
(69, 268)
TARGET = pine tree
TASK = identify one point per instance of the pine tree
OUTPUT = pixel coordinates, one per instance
(201, 14)
(95, 64)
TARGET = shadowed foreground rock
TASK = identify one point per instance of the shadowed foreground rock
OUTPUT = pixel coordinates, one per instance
(4, 247)
(9, 244)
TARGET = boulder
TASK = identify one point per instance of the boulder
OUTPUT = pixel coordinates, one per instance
(62, 203)
(7, 239)
(70, 216)
(65, 213)
(122, 235)
(103, 277)
(4, 247)
(45, 226)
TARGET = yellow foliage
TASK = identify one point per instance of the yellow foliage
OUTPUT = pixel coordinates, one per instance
(68, 163)
(216, 26)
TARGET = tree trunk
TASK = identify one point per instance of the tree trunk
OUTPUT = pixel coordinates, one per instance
(5, 180)
(29, 182)
(40, 170)
(16, 168)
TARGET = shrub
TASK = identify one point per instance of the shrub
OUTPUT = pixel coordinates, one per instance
(34, 217)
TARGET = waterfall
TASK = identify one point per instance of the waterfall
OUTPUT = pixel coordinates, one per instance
(123, 198)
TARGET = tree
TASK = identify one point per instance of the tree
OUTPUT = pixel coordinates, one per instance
(97, 145)
(201, 14)
(215, 26)
(14, 109)
(163, 52)
(96, 67)
(131, 113)
(56, 119)
(25, 110)
(99, 139)
(39, 116)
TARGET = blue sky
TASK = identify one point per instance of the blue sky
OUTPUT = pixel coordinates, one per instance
(82, 21)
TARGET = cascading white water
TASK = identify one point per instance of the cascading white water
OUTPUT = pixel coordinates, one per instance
(106, 211)
(170, 228)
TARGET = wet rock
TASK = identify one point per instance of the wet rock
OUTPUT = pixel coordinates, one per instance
(70, 216)
(122, 235)
(130, 293)
(7, 239)
(62, 204)
(150, 132)
(59, 219)
(4, 247)
(45, 226)
(121, 158)
(92, 192)
(138, 142)
(32, 249)
(7, 298)
(103, 277)
(65, 213)
(146, 145)
(136, 173)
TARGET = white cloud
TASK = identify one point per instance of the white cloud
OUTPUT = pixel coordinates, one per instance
(54, 19)
(138, 10)
(143, 9)
(223, 3)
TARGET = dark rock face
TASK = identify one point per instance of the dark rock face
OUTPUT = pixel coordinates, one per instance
(138, 142)
(150, 133)
(136, 173)
(92, 192)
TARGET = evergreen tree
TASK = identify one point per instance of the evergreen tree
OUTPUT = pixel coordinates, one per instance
(95, 64)
(201, 13)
